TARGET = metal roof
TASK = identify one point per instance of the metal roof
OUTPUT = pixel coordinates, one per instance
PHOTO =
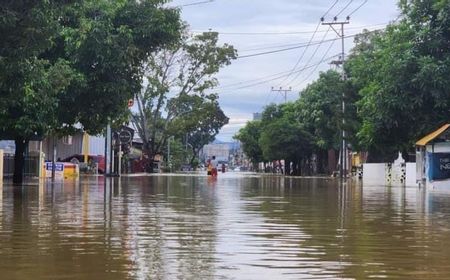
(430, 137)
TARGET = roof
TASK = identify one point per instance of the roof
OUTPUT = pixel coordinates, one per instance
(430, 137)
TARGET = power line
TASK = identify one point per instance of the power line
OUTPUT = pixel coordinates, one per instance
(359, 7)
(280, 76)
(315, 68)
(343, 9)
(310, 40)
(332, 6)
(284, 33)
(196, 3)
(285, 49)
(303, 54)
(311, 57)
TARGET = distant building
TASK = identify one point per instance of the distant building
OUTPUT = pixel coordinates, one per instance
(257, 116)
(220, 150)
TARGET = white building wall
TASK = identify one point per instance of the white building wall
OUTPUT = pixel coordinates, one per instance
(96, 145)
(374, 174)
(411, 178)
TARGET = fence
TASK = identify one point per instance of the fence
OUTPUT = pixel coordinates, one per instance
(31, 166)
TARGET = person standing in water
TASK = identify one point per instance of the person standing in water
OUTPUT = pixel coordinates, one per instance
(214, 164)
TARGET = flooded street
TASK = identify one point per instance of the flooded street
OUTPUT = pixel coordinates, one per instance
(240, 226)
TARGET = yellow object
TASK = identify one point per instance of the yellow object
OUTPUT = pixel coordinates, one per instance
(356, 160)
(85, 147)
(71, 170)
(425, 140)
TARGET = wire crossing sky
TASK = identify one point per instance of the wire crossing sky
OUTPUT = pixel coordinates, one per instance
(280, 43)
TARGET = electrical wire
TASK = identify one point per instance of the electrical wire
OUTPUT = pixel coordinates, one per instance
(312, 56)
(332, 6)
(282, 76)
(283, 50)
(302, 55)
(281, 33)
(277, 75)
(359, 7)
(343, 9)
(312, 37)
(196, 3)
(315, 68)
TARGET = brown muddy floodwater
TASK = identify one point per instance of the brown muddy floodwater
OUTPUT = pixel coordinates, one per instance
(240, 226)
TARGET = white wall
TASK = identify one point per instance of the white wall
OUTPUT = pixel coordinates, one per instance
(374, 173)
(96, 145)
(411, 178)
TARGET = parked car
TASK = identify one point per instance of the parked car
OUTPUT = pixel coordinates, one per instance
(96, 159)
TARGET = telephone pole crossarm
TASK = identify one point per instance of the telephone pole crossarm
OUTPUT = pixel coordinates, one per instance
(283, 91)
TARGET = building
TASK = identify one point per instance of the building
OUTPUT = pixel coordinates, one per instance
(257, 116)
(220, 150)
(433, 158)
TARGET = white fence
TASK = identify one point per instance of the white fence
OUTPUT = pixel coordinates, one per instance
(389, 174)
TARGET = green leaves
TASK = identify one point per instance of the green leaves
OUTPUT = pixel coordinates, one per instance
(176, 100)
(72, 62)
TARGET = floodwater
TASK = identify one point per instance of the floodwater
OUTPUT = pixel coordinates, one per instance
(240, 226)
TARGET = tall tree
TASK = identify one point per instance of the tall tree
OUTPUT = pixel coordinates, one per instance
(320, 110)
(249, 137)
(199, 121)
(68, 62)
(174, 75)
(403, 79)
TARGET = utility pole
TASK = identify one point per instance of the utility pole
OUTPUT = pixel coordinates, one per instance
(283, 91)
(340, 33)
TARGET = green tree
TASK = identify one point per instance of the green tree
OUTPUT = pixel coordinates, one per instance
(284, 136)
(199, 121)
(402, 75)
(178, 78)
(29, 84)
(69, 62)
(320, 110)
(249, 137)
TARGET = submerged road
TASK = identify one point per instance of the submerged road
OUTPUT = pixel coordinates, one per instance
(238, 226)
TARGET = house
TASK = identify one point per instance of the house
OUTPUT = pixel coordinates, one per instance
(433, 158)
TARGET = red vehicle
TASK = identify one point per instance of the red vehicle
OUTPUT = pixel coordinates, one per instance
(98, 159)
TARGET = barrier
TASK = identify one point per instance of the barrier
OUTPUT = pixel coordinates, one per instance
(62, 170)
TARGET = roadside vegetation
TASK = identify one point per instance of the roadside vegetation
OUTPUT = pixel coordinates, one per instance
(71, 64)
(397, 90)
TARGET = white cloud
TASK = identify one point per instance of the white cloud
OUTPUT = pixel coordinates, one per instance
(274, 16)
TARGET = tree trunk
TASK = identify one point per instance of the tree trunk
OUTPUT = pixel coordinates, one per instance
(287, 167)
(19, 160)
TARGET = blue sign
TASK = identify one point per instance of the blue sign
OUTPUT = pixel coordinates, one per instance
(58, 166)
(438, 166)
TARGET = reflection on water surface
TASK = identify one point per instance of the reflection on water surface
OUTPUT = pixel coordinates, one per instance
(240, 226)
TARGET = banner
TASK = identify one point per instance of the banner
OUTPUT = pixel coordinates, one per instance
(438, 166)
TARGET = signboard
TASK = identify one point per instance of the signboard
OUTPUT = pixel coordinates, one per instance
(438, 166)
(59, 169)
(125, 137)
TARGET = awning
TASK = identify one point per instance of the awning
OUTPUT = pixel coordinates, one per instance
(430, 137)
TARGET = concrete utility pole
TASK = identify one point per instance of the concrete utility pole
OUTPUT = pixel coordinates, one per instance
(340, 33)
(283, 91)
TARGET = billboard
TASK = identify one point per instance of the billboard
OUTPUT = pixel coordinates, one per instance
(438, 166)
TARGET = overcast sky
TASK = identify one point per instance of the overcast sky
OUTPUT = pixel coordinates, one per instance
(257, 26)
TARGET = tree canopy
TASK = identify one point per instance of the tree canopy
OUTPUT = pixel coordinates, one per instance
(176, 100)
(74, 62)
